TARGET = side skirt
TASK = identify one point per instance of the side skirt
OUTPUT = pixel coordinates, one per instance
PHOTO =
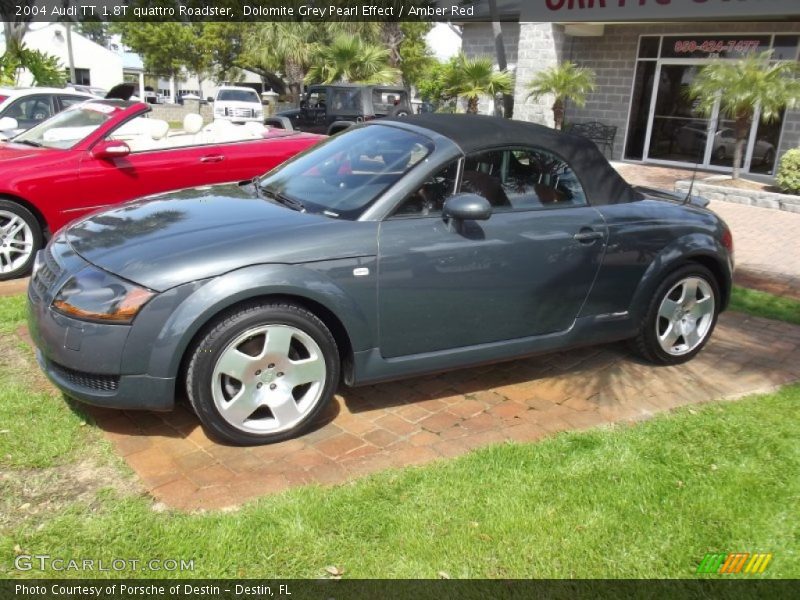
(370, 367)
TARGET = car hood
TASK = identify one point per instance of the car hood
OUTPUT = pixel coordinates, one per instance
(193, 234)
(10, 151)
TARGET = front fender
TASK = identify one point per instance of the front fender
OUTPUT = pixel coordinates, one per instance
(693, 246)
(222, 292)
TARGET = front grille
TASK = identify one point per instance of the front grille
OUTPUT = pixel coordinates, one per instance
(240, 112)
(47, 274)
(89, 381)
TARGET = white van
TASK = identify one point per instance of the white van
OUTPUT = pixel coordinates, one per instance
(238, 104)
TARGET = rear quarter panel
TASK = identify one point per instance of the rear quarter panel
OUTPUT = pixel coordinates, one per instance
(646, 240)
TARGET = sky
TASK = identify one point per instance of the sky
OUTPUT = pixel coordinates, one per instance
(443, 41)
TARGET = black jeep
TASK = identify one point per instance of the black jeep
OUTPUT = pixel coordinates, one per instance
(330, 108)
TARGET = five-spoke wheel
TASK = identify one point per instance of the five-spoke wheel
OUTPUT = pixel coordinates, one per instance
(20, 239)
(263, 373)
(681, 316)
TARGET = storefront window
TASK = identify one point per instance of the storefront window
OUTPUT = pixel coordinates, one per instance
(648, 46)
(640, 109)
(670, 128)
(765, 146)
(785, 47)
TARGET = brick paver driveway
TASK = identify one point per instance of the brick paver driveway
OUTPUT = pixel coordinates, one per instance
(422, 419)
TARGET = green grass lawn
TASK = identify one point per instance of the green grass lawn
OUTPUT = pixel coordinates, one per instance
(762, 304)
(647, 500)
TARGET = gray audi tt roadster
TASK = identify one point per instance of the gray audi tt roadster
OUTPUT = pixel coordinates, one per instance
(397, 248)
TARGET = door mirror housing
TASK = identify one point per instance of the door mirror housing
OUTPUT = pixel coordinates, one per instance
(467, 207)
(8, 123)
(109, 149)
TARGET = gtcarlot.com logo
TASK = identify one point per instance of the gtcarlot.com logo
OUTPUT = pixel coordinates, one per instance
(45, 562)
(734, 562)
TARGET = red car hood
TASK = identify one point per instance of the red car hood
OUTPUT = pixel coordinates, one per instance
(10, 151)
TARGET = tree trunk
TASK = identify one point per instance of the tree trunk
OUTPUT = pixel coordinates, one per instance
(392, 36)
(558, 113)
(472, 105)
(743, 122)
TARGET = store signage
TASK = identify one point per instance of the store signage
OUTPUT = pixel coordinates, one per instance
(643, 10)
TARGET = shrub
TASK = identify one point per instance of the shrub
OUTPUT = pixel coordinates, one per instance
(788, 177)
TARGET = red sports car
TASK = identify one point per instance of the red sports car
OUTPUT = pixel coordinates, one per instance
(104, 152)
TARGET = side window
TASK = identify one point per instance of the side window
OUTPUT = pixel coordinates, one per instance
(67, 101)
(522, 179)
(538, 178)
(316, 99)
(429, 199)
(31, 110)
(485, 174)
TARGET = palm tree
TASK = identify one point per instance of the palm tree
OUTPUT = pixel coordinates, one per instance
(348, 59)
(741, 87)
(475, 77)
(566, 81)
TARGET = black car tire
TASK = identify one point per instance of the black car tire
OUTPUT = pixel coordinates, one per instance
(646, 343)
(399, 111)
(223, 332)
(8, 207)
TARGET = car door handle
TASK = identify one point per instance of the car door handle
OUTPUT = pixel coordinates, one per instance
(587, 236)
(213, 158)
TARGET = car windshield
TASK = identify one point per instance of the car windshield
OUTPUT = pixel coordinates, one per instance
(342, 176)
(68, 127)
(237, 96)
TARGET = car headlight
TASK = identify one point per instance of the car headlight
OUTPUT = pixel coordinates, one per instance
(94, 295)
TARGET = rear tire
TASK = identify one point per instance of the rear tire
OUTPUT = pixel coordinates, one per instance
(21, 238)
(262, 373)
(681, 316)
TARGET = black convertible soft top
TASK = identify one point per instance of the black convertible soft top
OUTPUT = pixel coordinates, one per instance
(602, 184)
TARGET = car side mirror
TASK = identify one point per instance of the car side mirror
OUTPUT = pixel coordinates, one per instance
(467, 207)
(8, 123)
(111, 149)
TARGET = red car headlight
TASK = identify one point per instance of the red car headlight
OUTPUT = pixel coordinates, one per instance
(94, 295)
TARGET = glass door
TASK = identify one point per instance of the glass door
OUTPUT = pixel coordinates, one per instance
(678, 131)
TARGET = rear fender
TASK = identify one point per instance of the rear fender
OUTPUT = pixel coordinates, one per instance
(695, 246)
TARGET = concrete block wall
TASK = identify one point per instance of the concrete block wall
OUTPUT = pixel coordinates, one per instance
(541, 47)
(477, 39)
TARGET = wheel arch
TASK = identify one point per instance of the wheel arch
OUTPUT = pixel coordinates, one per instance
(701, 249)
(40, 218)
(331, 320)
(288, 283)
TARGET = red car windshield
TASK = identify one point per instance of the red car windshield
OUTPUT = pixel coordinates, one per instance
(68, 127)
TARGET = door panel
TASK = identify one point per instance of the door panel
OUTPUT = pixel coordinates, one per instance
(518, 274)
(110, 181)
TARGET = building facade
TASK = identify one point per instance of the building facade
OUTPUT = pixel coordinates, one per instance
(94, 65)
(642, 73)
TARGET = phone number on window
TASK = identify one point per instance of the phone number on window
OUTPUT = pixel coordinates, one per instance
(716, 46)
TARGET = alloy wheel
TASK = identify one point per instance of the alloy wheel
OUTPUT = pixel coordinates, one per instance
(16, 241)
(268, 379)
(685, 316)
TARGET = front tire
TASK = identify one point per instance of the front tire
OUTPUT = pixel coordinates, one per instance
(262, 373)
(20, 239)
(681, 316)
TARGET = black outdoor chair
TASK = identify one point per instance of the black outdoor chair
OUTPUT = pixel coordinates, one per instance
(602, 135)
